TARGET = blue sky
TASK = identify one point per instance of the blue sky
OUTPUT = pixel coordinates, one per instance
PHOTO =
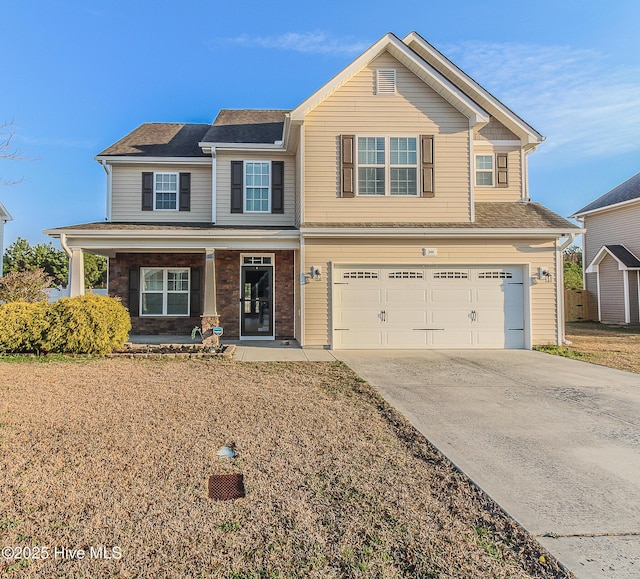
(76, 76)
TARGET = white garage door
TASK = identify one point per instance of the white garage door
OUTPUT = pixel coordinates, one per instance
(428, 307)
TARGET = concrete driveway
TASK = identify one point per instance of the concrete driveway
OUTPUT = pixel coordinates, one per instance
(556, 442)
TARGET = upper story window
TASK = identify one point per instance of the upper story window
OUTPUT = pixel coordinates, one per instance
(165, 191)
(257, 186)
(387, 165)
(257, 192)
(484, 170)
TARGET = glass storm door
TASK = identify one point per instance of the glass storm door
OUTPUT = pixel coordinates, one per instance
(256, 301)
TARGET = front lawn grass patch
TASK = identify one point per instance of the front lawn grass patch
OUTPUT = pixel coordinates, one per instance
(118, 452)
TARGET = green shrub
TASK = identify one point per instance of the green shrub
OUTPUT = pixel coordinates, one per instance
(22, 326)
(89, 324)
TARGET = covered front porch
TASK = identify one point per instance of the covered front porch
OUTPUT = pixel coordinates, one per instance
(173, 279)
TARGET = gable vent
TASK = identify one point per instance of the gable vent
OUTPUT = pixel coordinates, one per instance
(386, 81)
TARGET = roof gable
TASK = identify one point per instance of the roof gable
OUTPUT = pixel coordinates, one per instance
(624, 193)
(625, 259)
(401, 52)
(4, 215)
(470, 87)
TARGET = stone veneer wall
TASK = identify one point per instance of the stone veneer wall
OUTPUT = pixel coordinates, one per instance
(228, 292)
(119, 287)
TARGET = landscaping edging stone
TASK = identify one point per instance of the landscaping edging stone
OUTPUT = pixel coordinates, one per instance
(172, 351)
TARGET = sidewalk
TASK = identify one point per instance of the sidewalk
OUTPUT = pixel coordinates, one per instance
(277, 351)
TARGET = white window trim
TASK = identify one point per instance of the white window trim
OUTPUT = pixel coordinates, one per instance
(155, 207)
(165, 292)
(387, 166)
(492, 171)
(244, 186)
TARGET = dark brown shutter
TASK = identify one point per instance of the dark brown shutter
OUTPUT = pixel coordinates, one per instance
(347, 150)
(426, 166)
(277, 187)
(236, 186)
(185, 192)
(196, 292)
(502, 173)
(147, 191)
(134, 291)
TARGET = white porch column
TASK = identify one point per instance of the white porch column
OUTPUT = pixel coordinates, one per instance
(210, 308)
(76, 273)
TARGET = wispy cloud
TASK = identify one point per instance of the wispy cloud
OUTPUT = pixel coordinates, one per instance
(305, 42)
(577, 98)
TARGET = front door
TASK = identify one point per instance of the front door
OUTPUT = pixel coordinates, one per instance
(256, 302)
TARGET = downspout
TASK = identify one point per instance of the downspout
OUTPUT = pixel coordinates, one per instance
(525, 174)
(107, 169)
(560, 287)
(214, 190)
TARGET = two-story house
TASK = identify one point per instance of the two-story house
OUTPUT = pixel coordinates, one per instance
(388, 210)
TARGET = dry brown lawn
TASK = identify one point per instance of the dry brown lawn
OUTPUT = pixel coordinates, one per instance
(117, 453)
(607, 345)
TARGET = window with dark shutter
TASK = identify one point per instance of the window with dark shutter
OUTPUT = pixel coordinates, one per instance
(426, 166)
(196, 292)
(347, 144)
(185, 192)
(502, 171)
(134, 290)
(147, 191)
(236, 186)
(277, 187)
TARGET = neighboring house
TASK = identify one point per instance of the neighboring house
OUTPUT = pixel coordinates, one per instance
(4, 217)
(388, 210)
(612, 252)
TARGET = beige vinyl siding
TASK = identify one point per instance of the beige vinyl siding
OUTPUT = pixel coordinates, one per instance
(611, 291)
(416, 109)
(324, 252)
(494, 130)
(513, 192)
(127, 194)
(618, 226)
(223, 191)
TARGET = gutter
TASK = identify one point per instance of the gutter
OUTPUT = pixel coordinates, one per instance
(434, 232)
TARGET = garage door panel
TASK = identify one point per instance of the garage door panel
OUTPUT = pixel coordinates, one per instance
(360, 318)
(407, 318)
(452, 339)
(450, 317)
(353, 296)
(451, 295)
(408, 339)
(359, 340)
(406, 296)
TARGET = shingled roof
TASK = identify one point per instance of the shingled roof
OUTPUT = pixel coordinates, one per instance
(511, 215)
(627, 191)
(160, 140)
(247, 126)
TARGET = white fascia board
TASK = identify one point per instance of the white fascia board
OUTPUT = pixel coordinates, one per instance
(426, 51)
(124, 159)
(413, 62)
(213, 233)
(4, 215)
(361, 232)
(606, 208)
(243, 147)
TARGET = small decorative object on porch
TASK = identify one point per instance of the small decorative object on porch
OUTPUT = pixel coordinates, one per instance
(225, 487)
(226, 452)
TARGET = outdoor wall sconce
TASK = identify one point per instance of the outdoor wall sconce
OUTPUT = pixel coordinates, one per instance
(315, 273)
(544, 274)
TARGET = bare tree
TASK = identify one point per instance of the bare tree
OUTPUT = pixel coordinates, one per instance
(7, 150)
